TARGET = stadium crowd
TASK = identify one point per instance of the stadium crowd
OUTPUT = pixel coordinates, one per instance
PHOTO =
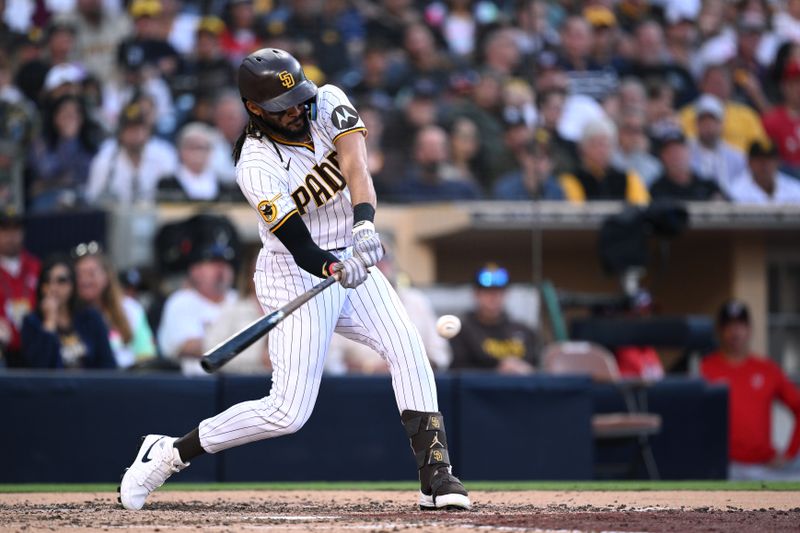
(107, 101)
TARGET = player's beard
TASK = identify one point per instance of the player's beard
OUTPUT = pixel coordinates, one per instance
(297, 134)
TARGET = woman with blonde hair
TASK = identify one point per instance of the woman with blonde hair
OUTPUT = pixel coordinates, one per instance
(130, 335)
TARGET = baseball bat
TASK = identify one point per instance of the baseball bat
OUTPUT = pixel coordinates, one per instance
(238, 342)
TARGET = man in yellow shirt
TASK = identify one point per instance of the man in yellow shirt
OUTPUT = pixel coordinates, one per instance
(741, 125)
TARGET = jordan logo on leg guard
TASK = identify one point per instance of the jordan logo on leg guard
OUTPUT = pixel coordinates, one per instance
(436, 441)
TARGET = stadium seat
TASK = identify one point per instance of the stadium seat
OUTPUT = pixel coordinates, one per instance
(635, 424)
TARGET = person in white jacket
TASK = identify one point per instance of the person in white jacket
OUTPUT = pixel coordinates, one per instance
(763, 183)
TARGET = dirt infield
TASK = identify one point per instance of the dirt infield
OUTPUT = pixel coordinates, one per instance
(392, 511)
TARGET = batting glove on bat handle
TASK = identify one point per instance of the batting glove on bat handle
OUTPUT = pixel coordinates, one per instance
(350, 273)
(367, 243)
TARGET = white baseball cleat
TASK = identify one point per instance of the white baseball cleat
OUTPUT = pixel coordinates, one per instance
(156, 461)
(447, 492)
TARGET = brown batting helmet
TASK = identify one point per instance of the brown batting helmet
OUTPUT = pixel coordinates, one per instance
(274, 80)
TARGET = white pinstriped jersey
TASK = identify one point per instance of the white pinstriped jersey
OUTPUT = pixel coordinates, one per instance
(279, 178)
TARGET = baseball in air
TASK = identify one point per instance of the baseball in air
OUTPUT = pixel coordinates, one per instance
(448, 326)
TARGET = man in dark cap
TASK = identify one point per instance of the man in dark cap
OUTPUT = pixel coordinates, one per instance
(754, 383)
(189, 312)
(489, 339)
(764, 183)
(678, 181)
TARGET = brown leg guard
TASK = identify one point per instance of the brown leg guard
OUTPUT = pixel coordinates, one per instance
(429, 444)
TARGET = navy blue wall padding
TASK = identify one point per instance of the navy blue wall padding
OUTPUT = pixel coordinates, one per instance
(63, 427)
(85, 427)
(693, 442)
(524, 427)
(354, 433)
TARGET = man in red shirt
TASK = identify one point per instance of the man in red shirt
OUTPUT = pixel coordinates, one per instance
(782, 122)
(19, 272)
(754, 383)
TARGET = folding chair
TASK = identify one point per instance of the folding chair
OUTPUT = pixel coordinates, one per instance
(635, 424)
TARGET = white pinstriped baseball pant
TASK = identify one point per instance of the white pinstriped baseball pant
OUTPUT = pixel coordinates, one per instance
(371, 314)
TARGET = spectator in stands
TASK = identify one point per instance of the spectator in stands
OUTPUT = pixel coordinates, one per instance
(179, 25)
(596, 178)
(189, 312)
(322, 30)
(424, 59)
(460, 24)
(230, 119)
(755, 45)
(605, 37)
(387, 21)
(196, 178)
(419, 110)
(550, 106)
(59, 161)
(711, 157)
(632, 95)
(754, 383)
(782, 122)
(376, 82)
(741, 125)
(533, 32)
(239, 37)
(501, 53)
(148, 43)
(678, 181)
(763, 182)
(98, 287)
(59, 50)
(127, 169)
(585, 76)
(19, 272)
(138, 82)
(660, 110)
(98, 33)
(234, 315)
(489, 339)
(534, 180)
(484, 107)
(632, 152)
(464, 145)
(205, 70)
(425, 179)
(60, 333)
(652, 63)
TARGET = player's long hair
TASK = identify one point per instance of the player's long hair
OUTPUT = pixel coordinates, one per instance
(250, 130)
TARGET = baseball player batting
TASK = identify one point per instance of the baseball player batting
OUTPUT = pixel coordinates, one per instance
(302, 164)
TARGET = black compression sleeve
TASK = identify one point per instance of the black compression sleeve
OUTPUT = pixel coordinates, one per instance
(294, 235)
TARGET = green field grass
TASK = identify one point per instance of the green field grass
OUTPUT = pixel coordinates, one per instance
(410, 485)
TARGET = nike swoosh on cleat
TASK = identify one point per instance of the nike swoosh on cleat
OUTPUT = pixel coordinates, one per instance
(145, 457)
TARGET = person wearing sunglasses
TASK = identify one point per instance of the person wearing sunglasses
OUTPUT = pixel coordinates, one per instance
(489, 339)
(60, 333)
